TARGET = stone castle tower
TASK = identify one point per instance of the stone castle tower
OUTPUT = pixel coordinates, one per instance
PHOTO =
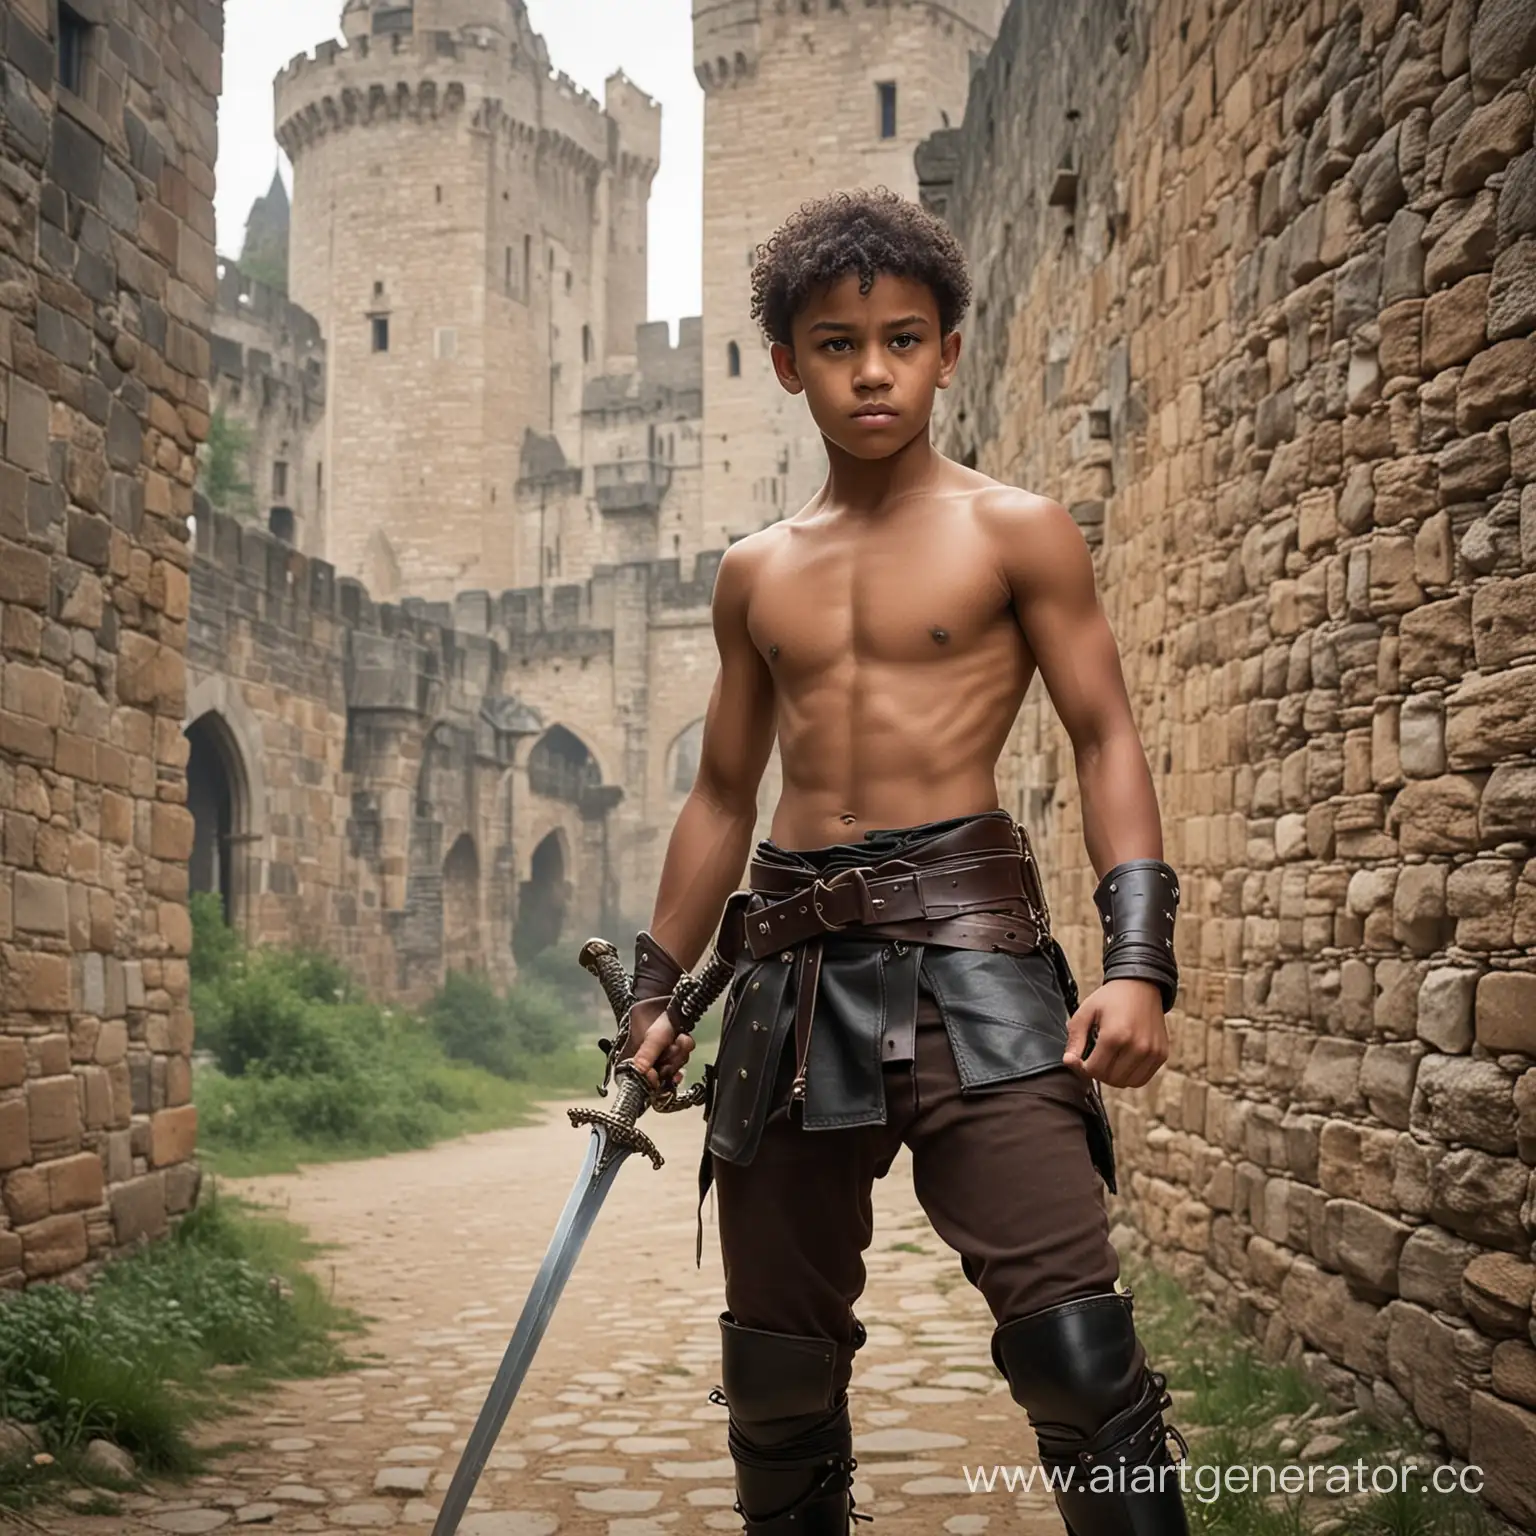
(469, 229)
(802, 99)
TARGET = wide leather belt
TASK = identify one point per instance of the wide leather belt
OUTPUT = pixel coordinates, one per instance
(874, 899)
(974, 888)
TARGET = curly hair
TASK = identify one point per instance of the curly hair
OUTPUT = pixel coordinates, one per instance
(870, 232)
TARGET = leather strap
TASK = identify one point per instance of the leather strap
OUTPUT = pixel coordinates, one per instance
(879, 896)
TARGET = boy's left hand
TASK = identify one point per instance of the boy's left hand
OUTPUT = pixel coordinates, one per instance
(1132, 1039)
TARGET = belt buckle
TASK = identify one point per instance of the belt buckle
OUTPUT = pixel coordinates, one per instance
(868, 906)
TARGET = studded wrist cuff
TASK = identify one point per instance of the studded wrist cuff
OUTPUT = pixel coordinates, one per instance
(1138, 902)
(656, 972)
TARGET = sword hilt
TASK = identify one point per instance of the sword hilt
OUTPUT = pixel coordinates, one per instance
(601, 959)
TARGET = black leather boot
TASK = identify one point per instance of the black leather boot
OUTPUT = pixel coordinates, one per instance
(790, 1434)
(1097, 1411)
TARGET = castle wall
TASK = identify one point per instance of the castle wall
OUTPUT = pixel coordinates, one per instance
(106, 222)
(1277, 352)
(792, 112)
(268, 374)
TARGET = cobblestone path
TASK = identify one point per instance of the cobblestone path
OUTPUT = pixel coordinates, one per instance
(612, 1433)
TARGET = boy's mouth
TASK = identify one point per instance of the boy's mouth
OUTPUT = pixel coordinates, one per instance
(875, 412)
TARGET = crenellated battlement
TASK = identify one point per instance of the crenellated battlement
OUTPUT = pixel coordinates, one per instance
(730, 35)
(429, 75)
(241, 569)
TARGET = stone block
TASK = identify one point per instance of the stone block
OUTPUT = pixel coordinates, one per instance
(1434, 1364)
(1497, 1289)
(1494, 134)
(1480, 896)
(1503, 45)
(53, 1106)
(37, 983)
(1512, 294)
(1506, 1012)
(1437, 815)
(74, 1183)
(1466, 1103)
(1504, 621)
(13, 1063)
(1489, 719)
(1418, 907)
(26, 427)
(1331, 1079)
(40, 904)
(1498, 383)
(1401, 347)
(1502, 1441)
(1387, 1081)
(1368, 1244)
(1456, 323)
(15, 1134)
(1477, 1195)
(138, 1209)
(1525, 1116)
(173, 1136)
(1430, 1268)
(1514, 1372)
(1421, 736)
(53, 1246)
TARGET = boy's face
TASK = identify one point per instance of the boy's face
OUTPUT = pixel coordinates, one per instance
(868, 363)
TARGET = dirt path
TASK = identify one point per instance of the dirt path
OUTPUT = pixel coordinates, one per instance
(612, 1434)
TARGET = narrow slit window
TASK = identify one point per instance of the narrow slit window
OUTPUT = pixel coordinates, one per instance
(74, 34)
(279, 479)
(887, 89)
(528, 269)
(507, 278)
(733, 360)
(381, 333)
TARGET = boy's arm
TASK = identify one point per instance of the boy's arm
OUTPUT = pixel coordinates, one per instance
(1048, 570)
(713, 836)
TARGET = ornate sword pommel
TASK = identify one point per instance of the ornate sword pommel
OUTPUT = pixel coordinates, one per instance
(600, 959)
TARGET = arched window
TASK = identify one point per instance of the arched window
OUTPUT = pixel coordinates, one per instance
(733, 360)
(561, 767)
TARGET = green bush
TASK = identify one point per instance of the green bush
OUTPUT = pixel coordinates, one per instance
(306, 1068)
(128, 1359)
(475, 1023)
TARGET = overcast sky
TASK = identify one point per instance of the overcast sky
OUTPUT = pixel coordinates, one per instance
(651, 40)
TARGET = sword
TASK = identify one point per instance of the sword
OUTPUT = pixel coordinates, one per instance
(614, 1136)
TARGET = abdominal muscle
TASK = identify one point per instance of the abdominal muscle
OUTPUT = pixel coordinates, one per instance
(869, 747)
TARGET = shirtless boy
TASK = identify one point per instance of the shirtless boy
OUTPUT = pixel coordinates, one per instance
(896, 981)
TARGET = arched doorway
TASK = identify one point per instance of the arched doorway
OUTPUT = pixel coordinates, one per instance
(561, 767)
(541, 901)
(462, 949)
(219, 801)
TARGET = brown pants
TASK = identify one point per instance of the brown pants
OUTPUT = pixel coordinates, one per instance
(1003, 1174)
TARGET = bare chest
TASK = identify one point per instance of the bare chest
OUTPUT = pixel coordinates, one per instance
(917, 599)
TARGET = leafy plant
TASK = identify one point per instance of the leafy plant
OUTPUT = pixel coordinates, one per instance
(224, 466)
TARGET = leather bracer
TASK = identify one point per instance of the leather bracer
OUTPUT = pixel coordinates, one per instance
(1138, 901)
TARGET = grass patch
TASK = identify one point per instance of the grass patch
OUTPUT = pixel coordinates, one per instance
(297, 1066)
(158, 1343)
(1239, 1410)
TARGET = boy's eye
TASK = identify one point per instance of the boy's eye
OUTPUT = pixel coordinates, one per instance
(836, 343)
(906, 341)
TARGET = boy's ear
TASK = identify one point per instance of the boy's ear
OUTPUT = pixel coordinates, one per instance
(783, 359)
(949, 353)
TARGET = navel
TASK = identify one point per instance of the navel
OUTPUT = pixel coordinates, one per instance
(773, 653)
(941, 636)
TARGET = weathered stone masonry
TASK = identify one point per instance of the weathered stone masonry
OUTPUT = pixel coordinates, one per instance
(432, 785)
(106, 276)
(1257, 299)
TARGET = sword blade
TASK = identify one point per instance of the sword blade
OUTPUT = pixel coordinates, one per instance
(581, 1208)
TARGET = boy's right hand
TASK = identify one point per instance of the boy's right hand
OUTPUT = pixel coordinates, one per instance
(654, 1047)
